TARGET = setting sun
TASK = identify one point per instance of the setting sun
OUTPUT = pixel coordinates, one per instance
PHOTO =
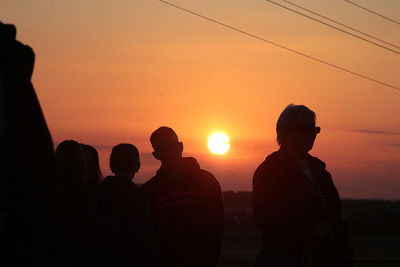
(218, 143)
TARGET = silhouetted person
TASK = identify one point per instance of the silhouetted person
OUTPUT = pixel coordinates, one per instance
(187, 206)
(295, 200)
(27, 163)
(71, 161)
(124, 230)
(93, 172)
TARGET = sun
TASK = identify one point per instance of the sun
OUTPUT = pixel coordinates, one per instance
(218, 143)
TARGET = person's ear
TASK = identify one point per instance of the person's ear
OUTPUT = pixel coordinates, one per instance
(137, 166)
(181, 146)
(155, 155)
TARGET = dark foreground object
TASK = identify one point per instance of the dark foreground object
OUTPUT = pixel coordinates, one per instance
(27, 162)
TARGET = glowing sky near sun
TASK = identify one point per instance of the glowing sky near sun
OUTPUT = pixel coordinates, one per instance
(113, 71)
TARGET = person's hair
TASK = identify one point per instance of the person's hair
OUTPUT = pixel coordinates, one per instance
(124, 157)
(289, 117)
(161, 132)
(71, 162)
(94, 176)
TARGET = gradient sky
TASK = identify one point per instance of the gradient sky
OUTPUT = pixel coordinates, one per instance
(113, 71)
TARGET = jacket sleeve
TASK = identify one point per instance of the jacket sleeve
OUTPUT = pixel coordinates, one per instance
(213, 219)
(273, 207)
(265, 197)
(330, 192)
(336, 206)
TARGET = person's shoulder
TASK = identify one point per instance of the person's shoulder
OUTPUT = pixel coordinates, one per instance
(194, 170)
(138, 190)
(115, 181)
(270, 163)
(205, 173)
(105, 188)
(106, 183)
(207, 176)
(151, 183)
(318, 162)
(206, 183)
(107, 180)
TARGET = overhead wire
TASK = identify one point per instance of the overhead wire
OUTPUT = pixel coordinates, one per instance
(281, 46)
(373, 12)
(339, 23)
(333, 27)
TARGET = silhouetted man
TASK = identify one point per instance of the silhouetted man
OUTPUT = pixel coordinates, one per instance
(124, 222)
(296, 202)
(187, 205)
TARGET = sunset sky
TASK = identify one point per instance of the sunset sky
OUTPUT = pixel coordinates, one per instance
(113, 71)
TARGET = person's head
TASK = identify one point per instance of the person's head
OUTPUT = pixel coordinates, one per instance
(124, 160)
(94, 175)
(167, 147)
(71, 161)
(296, 128)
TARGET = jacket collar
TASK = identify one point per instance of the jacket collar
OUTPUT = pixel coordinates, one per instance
(291, 163)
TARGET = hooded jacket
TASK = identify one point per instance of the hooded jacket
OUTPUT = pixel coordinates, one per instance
(188, 215)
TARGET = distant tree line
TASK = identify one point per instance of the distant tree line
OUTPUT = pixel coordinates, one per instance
(362, 215)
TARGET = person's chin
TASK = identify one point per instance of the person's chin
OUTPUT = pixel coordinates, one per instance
(309, 147)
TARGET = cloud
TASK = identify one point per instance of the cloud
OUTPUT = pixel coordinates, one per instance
(371, 131)
(384, 144)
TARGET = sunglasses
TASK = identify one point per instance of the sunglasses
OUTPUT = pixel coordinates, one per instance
(308, 130)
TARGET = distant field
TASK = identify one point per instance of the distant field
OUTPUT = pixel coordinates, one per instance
(240, 248)
(380, 250)
(375, 224)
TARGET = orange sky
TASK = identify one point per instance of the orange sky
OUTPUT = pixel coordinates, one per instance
(113, 71)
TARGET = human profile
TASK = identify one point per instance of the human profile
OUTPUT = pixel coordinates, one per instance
(295, 201)
(187, 206)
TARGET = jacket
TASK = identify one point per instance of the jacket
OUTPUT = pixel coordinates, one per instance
(287, 208)
(188, 215)
(123, 221)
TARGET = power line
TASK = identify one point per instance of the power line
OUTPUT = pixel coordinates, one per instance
(341, 24)
(334, 27)
(373, 12)
(281, 46)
